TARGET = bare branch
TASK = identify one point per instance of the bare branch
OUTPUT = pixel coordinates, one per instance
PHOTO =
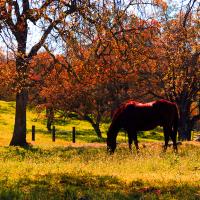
(68, 67)
(16, 6)
(37, 46)
(190, 5)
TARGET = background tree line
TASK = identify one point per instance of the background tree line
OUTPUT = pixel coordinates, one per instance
(112, 51)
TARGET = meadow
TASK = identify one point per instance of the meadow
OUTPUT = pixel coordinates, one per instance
(84, 170)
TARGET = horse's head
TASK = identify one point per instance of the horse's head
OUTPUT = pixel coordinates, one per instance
(111, 143)
(113, 131)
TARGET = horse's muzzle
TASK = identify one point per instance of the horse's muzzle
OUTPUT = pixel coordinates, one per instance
(110, 150)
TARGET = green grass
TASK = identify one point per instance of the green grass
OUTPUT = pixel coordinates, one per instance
(75, 172)
(84, 131)
(62, 170)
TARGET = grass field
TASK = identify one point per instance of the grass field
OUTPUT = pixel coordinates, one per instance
(62, 170)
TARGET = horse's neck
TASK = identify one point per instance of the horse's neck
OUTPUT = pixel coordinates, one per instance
(114, 129)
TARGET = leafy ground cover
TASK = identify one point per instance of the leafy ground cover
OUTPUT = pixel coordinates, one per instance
(62, 170)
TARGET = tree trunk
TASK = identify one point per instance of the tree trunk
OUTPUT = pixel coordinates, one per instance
(94, 125)
(50, 117)
(185, 127)
(185, 130)
(97, 130)
(19, 135)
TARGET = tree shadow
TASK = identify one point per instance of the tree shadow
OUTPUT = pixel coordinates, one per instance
(150, 135)
(89, 187)
(63, 153)
(84, 135)
(6, 110)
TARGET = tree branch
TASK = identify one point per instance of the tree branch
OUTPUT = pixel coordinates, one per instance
(17, 12)
(195, 118)
(69, 68)
(5, 16)
(34, 14)
(37, 46)
(190, 5)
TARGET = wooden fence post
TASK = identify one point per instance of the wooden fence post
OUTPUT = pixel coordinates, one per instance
(54, 134)
(33, 133)
(73, 135)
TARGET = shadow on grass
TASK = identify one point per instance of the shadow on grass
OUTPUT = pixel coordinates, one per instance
(62, 153)
(152, 135)
(6, 110)
(91, 187)
(9, 108)
(40, 131)
(63, 122)
(84, 135)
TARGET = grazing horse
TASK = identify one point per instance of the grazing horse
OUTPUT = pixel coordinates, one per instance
(133, 116)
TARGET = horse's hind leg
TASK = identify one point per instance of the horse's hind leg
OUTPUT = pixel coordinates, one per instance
(130, 141)
(132, 136)
(173, 137)
(167, 132)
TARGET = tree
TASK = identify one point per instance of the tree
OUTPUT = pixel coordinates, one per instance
(100, 59)
(53, 17)
(40, 67)
(173, 70)
(7, 71)
(15, 20)
(184, 74)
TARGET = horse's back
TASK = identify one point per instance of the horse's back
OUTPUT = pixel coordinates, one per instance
(145, 116)
(136, 116)
(136, 108)
(168, 110)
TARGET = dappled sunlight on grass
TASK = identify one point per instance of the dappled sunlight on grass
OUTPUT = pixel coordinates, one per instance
(83, 170)
(84, 131)
(66, 170)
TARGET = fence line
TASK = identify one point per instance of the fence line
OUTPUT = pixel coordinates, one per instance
(54, 134)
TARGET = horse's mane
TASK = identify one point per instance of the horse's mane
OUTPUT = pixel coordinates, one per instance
(122, 106)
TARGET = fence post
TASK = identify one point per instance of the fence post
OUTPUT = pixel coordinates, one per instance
(33, 133)
(73, 135)
(54, 134)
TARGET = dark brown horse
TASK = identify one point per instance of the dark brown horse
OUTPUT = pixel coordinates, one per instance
(133, 117)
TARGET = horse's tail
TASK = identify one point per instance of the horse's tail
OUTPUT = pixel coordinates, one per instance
(176, 121)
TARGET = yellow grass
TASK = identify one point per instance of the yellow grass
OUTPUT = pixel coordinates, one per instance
(63, 170)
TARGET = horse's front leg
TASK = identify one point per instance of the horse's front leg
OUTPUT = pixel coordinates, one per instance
(136, 141)
(130, 141)
(166, 135)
